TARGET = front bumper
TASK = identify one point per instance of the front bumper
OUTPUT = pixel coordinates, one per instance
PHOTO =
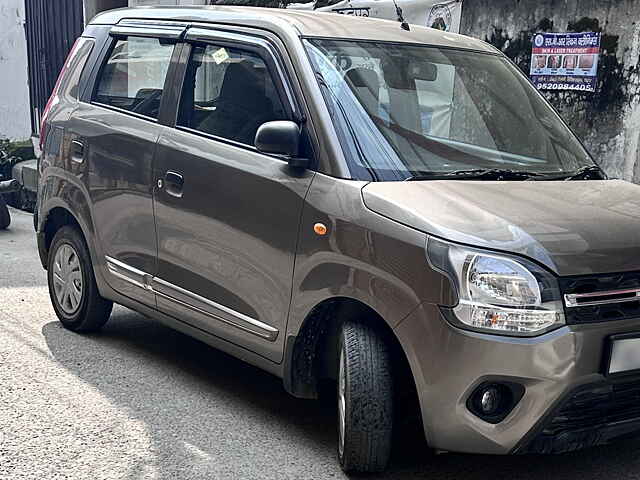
(591, 415)
(568, 402)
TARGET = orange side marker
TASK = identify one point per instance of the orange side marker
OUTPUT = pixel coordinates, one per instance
(320, 229)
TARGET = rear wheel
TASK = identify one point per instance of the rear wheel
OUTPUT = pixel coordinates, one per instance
(72, 285)
(365, 399)
(5, 218)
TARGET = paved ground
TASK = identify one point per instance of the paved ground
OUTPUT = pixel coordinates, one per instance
(141, 401)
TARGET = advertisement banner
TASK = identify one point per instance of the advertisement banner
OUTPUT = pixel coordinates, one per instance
(431, 13)
(565, 61)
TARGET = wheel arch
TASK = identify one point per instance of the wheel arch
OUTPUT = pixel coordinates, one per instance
(62, 200)
(312, 354)
(56, 217)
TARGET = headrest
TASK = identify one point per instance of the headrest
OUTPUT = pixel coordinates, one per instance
(363, 77)
(243, 81)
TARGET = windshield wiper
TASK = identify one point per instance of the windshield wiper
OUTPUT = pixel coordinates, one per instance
(476, 174)
(590, 172)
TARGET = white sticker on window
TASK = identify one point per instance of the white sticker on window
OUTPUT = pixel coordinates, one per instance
(220, 56)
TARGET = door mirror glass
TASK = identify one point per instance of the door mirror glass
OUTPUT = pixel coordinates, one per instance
(281, 137)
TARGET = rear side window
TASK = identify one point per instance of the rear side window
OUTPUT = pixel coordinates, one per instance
(69, 84)
(228, 93)
(133, 77)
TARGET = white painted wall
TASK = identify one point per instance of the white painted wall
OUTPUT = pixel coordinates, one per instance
(14, 89)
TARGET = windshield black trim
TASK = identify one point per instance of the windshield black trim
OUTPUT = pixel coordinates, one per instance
(497, 53)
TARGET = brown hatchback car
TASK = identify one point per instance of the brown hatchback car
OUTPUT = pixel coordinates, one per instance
(336, 198)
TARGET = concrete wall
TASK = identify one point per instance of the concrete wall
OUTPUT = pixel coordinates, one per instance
(608, 121)
(14, 90)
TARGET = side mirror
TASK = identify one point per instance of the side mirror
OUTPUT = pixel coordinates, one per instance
(281, 137)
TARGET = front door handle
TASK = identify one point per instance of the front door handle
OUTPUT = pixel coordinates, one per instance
(174, 184)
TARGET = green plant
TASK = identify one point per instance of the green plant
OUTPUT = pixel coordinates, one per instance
(11, 153)
(6, 162)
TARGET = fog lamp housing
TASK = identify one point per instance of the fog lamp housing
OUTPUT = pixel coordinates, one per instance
(494, 401)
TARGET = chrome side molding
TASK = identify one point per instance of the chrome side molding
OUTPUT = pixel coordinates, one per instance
(212, 309)
(128, 273)
(602, 298)
(190, 300)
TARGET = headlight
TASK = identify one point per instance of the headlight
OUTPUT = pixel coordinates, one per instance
(498, 293)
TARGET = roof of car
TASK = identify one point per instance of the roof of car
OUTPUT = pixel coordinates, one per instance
(305, 23)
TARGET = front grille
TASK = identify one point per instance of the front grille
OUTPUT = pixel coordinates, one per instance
(592, 415)
(623, 305)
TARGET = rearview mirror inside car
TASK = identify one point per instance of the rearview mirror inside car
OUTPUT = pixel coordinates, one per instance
(401, 74)
(426, 71)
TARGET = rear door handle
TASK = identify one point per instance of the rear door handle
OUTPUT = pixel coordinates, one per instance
(77, 151)
(174, 184)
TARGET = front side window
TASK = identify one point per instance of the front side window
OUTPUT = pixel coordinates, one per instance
(228, 93)
(406, 112)
(133, 77)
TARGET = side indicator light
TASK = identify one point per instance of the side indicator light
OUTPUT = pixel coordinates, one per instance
(320, 229)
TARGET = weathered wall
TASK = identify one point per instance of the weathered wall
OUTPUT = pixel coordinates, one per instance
(608, 121)
(14, 90)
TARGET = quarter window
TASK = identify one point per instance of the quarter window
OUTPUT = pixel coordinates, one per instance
(75, 66)
(228, 93)
(133, 77)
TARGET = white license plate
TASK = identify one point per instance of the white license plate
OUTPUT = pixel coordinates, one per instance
(625, 354)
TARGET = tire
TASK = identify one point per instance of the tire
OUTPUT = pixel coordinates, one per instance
(21, 201)
(5, 218)
(365, 399)
(72, 284)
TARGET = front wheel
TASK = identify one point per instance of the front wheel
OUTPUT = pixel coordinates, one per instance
(365, 399)
(72, 284)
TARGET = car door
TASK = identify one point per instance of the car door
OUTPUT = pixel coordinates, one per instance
(227, 216)
(115, 135)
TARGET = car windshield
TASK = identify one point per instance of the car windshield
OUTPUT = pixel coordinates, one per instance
(420, 112)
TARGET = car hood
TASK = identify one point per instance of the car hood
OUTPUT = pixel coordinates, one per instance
(574, 228)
